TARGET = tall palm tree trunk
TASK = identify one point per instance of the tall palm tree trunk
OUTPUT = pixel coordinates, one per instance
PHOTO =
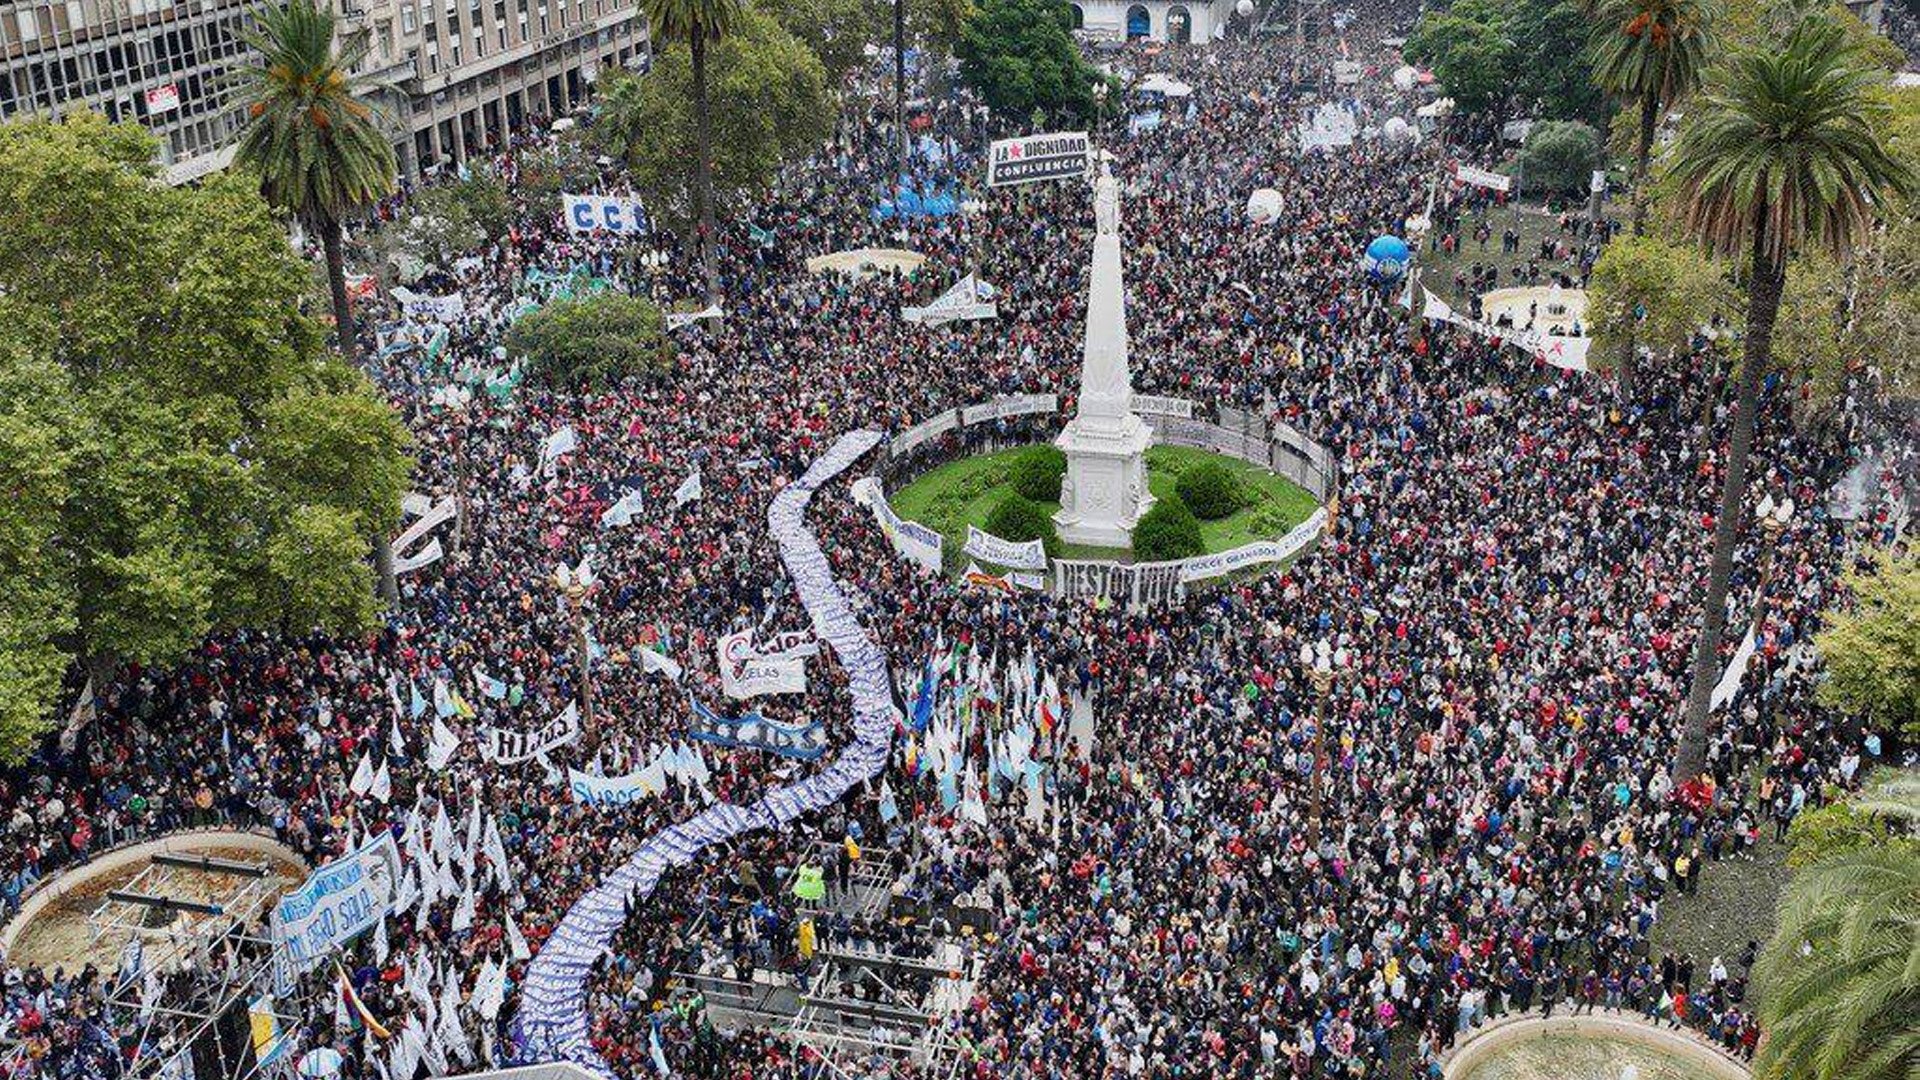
(1763, 307)
(1642, 165)
(703, 168)
(1643, 160)
(330, 240)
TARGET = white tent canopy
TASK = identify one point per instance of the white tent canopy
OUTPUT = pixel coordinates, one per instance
(1162, 83)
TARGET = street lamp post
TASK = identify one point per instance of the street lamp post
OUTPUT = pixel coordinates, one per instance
(573, 590)
(1323, 663)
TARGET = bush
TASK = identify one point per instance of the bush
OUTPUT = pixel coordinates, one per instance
(1210, 490)
(1559, 157)
(1020, 518)
(1036, 473)
(1168, 531)
(591, 342)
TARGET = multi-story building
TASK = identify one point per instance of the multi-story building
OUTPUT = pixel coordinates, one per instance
(459, 74)
(466, 73)
(155, 61)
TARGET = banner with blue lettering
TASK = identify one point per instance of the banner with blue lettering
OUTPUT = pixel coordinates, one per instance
(803, 741)
(603, 213)
(339, 900)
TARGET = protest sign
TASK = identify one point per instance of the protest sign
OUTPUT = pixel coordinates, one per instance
(1035, 158)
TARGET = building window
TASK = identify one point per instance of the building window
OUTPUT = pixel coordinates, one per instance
(409, 20)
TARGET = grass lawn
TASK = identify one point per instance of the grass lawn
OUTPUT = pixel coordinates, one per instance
(964, 492)
(1534, 222)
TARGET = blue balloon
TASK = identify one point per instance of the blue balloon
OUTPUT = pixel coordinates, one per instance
(1386, 259)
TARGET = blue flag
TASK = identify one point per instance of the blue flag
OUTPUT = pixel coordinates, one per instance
(923, 701)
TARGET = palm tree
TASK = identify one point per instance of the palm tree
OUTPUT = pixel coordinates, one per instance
(699, 23)
(1784, 153)
(1650, 52)
(313, 138)
(1839, 983)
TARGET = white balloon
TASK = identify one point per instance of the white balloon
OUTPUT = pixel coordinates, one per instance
(1244, 8)
(1404, 78)
(1263, 206)
(1397, 130)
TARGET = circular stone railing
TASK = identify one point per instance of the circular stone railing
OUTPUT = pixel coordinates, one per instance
(114, 860)
(1025, 419)
(1692, 1056)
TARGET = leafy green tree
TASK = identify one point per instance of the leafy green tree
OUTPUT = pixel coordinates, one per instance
(592, 342)
(772, 105)
(1553, 76)
(1470, 48)
(1783, 153)
(439, 227)
(1884, 815)
(1017, 517)
(36, 607)
(1655, 292)
(838, 31)
(1209, 490)
(184, 453)
(1036, 472)
(1650, 53)
(939, 24)
(1837, 986)
(1871, 646)
(1020, 56)
(697, 25)
(1168, 530)
(1559, 156)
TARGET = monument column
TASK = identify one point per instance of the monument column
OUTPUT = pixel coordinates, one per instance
(1105, 490)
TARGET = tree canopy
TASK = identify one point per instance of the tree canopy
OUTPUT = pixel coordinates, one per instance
(1020, 56)
(1872, 646)
(1559, 156)
(186, 456)
(591, 342)
(771, 103)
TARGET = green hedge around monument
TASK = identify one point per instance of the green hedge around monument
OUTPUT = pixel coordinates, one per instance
(1210, 491)
(1036, 472)
(1168, 531)
(1020, 518)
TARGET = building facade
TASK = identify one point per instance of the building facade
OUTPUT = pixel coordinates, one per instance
(465, 74)
(1174, 22)
(460, 74)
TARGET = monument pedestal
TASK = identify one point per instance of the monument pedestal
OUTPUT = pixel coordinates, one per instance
(1105, 489)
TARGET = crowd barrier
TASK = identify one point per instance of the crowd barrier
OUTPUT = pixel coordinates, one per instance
(1026, 419)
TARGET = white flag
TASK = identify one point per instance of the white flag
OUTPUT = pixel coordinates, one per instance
(621, 512)
(362, 776)
(515, 942)
(653, 660)
(563, 441)
(445, 745)
(689, 488)
(382, 788)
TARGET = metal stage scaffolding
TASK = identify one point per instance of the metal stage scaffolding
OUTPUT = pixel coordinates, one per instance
(195, 957)
(858, 998)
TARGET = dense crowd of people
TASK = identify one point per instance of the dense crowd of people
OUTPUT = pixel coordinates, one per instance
(1508, 596)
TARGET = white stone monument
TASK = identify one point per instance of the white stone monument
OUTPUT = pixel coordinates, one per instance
(1105, 490)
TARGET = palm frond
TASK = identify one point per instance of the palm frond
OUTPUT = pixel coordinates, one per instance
(312, 131)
